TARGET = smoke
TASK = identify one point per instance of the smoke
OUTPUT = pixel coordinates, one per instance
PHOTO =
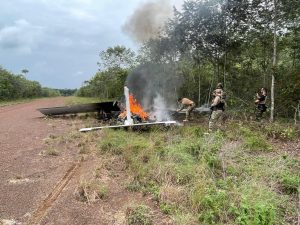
(160, 109)
(148, 20)
(155, 86)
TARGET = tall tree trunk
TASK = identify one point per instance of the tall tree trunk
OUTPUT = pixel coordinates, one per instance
(274, 62)
(199, 87)
(225, 48)
(224, 75)
(294, 51)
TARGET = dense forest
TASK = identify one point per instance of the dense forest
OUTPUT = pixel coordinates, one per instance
(244, 44)
(18, 87)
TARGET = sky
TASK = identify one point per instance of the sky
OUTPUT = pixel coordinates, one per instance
(59, 41)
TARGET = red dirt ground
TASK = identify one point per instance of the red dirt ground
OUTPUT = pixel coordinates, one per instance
(41, 189)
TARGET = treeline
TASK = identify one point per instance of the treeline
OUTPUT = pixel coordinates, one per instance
(244, 44)
(66, 92)
(18, 87)
(114, 66)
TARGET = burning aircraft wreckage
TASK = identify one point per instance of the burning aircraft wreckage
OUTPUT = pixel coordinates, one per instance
(128, 114)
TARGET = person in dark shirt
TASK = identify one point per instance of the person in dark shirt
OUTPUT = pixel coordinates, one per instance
(261, 98)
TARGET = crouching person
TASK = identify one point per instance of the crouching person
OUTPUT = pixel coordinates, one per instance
(188, 104)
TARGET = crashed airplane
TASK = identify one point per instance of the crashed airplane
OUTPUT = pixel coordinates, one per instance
(130, 114)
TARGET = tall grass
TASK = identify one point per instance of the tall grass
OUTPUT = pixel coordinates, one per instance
(195, 179)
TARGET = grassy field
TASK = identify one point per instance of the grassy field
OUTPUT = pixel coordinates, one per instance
(246, 175)
(73, 100)
(14, 102)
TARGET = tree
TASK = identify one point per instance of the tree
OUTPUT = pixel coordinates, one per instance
(25, 71)
(117, 57)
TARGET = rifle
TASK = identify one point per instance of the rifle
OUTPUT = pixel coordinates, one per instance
(211, 111)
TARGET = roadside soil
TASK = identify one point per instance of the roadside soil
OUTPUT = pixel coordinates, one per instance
(40, 182)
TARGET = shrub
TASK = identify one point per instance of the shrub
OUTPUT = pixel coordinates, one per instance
(281, 131)
(290, 182)
(258, 205)
(255, 141)
(214, 206)
(139, 215)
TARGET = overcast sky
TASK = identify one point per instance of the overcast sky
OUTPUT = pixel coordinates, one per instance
(59, 41)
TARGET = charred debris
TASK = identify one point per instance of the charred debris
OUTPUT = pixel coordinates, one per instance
(126, 113)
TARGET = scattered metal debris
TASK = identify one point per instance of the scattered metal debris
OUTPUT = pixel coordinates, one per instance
(166, 123)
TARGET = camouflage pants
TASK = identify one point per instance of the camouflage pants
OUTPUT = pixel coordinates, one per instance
(260, 109)
(189, 110)
(215, 120)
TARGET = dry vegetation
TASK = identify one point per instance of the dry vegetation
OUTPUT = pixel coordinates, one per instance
(241, 176)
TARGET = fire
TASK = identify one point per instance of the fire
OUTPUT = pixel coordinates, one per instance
(135, 108)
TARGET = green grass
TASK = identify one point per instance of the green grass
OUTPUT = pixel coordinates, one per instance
(73, 100)
(139, 215)
(17, 101)
(196, 180)
(282, 131)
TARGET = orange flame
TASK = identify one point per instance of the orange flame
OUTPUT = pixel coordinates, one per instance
(135, 108)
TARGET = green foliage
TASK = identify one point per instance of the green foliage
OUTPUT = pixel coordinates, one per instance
(165, 208)
(80, 100)
(255, 141)
(139, 215)
(117, 57)
(101, 191)
(258, 206)
(290, 182)
(186, 170)
(260, 213)
(214, 206)
(18, 87)
(48, 92)
(281, 131)
(108, 84)
(66, 92)
(117, 143)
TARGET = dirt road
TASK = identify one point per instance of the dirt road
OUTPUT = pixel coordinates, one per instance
(26, 177)
(39, 188)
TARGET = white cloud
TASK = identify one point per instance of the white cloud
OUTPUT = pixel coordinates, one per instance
(77, 74)
(66, 42)
(81, 14)
(21, 36)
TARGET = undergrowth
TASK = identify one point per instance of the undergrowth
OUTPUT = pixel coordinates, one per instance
(196, 179)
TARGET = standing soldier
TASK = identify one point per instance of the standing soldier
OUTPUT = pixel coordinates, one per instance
(261, 98)
(186, 103)
(217, 107)
(219, 87)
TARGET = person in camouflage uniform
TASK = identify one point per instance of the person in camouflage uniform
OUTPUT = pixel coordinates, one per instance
(217, 107)
(188, 104)
(261, 98)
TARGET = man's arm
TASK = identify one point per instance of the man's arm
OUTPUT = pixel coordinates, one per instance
(215, 101)
(181, 108)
